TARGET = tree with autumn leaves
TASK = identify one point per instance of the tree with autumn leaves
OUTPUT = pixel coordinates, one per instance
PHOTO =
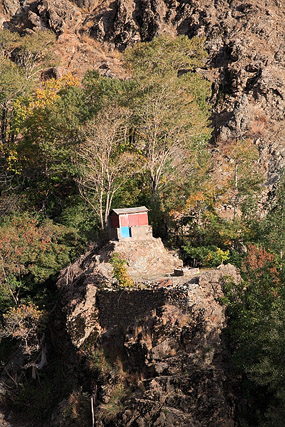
(155, 125)
(108, 159)
(222, 211)
(22, 61)
(30, 252)
(237, 177)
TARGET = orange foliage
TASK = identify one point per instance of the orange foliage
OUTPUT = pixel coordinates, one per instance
(259, 260)
(22, 323)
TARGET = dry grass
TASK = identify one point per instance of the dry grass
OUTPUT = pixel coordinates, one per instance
(259, 123)
(80, 53)
(109, 410)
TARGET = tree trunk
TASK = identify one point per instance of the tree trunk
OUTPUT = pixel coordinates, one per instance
(236, 199)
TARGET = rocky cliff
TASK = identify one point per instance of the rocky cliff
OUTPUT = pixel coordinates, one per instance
(245, 41)
(154, 354)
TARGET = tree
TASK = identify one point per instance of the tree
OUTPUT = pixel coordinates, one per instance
(270, 231)
(30, 252)
(170, 108)
(165, 55)
(108, 159)
(33, 54)
(239, 176)
(48, 122)
(23, 59)
(23, 323)
(256, 330)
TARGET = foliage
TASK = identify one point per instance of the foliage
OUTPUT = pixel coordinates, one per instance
(108, 159)
(239, 178)
(99, 91)
(49, 121)
(27, 56)
(204, 231)
(120, 271)
(97, 362)
(30, 252)
(164, 55)
(23, 59)
(31, 53)
(70, 150)
(24, 323)
(256, 326)
(206, 256)
(171, 113)
(269, 231)
(223, 210)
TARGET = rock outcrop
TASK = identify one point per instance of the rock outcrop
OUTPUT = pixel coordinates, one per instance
(146, 259)
(155, 354)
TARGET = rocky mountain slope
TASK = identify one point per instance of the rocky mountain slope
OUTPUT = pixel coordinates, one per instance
(245, 41)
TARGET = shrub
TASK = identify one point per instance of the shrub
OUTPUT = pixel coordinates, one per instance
(120, 271)
(205, 256)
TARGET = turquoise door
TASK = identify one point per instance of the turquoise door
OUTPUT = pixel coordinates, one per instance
(125, 232)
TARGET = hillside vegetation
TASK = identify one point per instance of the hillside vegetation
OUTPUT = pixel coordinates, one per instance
(70, 150)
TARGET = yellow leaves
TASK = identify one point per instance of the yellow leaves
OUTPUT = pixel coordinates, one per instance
(11, 157)
(22, 312)
(43, 97)
(219, 254)
(120, 271)
(201, 197)
(223, 254)
(49, 93)
(194, 199)
(30, 114)
(12, 162)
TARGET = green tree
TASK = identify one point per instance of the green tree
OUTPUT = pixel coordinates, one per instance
(256, 329)
(165, 55)
(170, 108)
(49, 123)
(270, 231)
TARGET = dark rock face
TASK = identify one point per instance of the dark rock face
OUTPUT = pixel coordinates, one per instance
(164, 345)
